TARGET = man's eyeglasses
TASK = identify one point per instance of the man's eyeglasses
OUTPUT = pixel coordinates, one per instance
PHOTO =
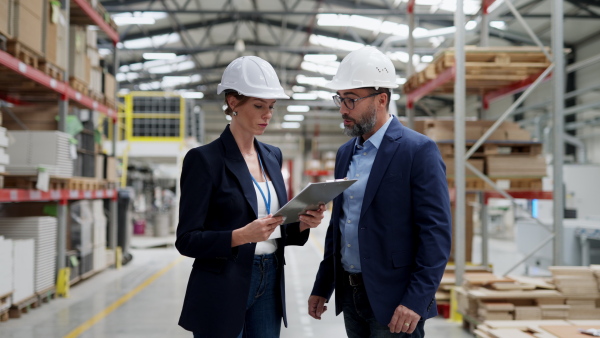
(348, 101)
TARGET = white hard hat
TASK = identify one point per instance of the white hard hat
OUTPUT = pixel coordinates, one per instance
(252, 76)
(365, 67)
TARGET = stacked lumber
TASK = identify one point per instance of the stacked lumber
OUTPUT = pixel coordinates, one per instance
(486, 68)
(534, 328)
(508, 156)
(580, 285)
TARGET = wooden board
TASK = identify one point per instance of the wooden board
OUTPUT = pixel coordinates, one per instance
(508, 333)
(570, 331)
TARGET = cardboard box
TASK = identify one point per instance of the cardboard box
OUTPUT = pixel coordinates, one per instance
(478, 163)
(34, 117)
(439, 133)
(27, 24)
(96, 80)
(111, 169)
(55, 24)
(516, 166)
(5, 17)
(469, 224)
(518, 135)
(109, 86)
(79, 65)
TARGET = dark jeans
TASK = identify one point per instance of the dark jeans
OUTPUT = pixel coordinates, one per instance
(263, 309)
(359, 318)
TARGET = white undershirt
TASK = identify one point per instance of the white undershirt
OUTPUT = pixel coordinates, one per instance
(270, 245)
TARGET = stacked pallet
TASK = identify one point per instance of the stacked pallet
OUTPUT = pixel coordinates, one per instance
(508, 156)
(34, 31)
(486, 68)
(580, 286)
(535, 328)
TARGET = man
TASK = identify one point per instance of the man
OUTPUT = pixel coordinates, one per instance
(388, 241)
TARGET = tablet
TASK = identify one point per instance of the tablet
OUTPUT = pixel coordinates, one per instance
(311, 196)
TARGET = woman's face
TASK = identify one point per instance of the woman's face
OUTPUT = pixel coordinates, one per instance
(253, 115)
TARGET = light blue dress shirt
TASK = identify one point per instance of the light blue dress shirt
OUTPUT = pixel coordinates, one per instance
(360, 168)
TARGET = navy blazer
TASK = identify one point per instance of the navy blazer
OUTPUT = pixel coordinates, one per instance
(405, 226)
(217, 197)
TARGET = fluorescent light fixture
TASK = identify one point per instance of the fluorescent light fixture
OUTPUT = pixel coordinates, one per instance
(224, 107)
(400, 80)
(157, 40)
(193, 95)
(290, 125)
(471, 25)
(342, 125)
(395, 97)
(133, 20)
(320, 68)
(498, 24)
(320, 58)
(325, 41)
(124, 91)
(304, 96)
(159, 56)
(228, 118)
(104, 51)
(294, 117)
(299, 89)
(298, 109)
(316, 81)
(426, 58)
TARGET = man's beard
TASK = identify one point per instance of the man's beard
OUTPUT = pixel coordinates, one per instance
(363, 126)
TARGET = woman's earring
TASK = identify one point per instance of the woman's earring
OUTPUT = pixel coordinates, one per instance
(234, 113)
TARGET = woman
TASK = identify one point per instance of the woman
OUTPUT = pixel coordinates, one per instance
(229, 190)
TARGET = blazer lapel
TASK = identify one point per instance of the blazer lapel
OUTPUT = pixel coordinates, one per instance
(236, 164)
(274, 170)
(389, 145)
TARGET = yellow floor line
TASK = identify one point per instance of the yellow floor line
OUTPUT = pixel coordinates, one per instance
(99, 316)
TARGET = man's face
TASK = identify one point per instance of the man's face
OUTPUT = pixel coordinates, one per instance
(360, 120)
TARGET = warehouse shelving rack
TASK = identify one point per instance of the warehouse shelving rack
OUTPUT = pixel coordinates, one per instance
(457, 72)
(42, 88)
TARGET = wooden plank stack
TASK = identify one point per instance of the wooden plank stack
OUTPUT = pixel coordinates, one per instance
(508, 156)
(487, 68)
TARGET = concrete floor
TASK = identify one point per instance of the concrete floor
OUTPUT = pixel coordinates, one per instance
(143, 299)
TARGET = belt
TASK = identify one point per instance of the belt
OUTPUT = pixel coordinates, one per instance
(355, 279)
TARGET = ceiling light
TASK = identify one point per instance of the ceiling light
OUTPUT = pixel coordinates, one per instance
(159, 56)
(498, 24)
(193, 95)
(320, 58)
(426, 58)
(290, 125)
(294, 117)
(133, 20)
(298, 109)
(304, 96)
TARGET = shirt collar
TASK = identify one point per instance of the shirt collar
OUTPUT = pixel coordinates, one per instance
(378, 136)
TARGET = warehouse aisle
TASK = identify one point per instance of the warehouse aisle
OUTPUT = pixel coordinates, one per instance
(144, 298)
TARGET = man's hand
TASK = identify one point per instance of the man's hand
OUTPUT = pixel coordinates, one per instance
(312, 218)
(316, 306)
(403, 320)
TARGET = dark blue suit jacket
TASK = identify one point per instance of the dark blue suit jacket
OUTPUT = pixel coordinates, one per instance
(405, 226)
(217, 197)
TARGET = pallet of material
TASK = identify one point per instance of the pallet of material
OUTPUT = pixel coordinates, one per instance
(516, 165)
(56, 183)
(486, 68)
